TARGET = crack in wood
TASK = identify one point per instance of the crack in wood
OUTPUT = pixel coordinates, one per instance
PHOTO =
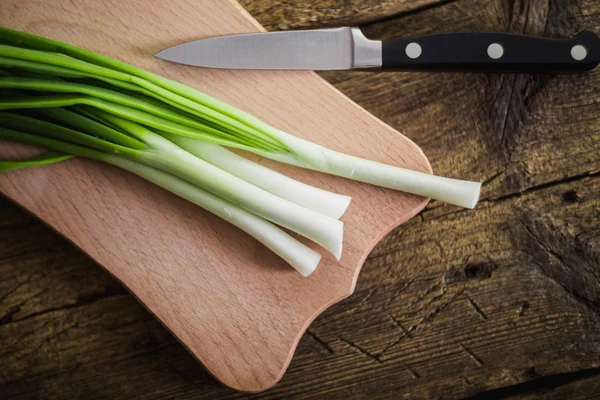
(471, 355)
(361, 350)
(8, 317)
(320, 341)
(428, 291)
(443, 290)
(547, 19)
(19, 285)
(184, 377)
(546, 382)
(427, 318)
(79, 302)
(414, 373)
(397, 293)
(399, 325)
(573, 106)
(511, 7)
(395, 342)
(502, 171)
(553, 255)
(493, 177)
(475, 307)
(527, 14)
(574, 294)
(45, 341)
(453, 212)
(507, 111)
(144, 353)
(535, 188)
(557, 257)
(368, 296)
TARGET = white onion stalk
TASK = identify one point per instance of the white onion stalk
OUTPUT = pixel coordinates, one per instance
(328, 203)
(324, 230)
(63, 140)
(298, 255)
(310, 155)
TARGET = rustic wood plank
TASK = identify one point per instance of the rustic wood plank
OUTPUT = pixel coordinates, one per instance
(501, 301)
(307, 14)
(580, 385)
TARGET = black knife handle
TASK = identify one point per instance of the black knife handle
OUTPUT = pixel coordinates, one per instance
(487, 51)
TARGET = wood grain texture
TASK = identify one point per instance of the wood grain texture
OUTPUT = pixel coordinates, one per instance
(236, 306)
(499, 302)
(306, 14)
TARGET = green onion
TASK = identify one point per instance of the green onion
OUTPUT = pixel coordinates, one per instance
(299, 256)
(75, 102)
(164, 155)
(308, 196)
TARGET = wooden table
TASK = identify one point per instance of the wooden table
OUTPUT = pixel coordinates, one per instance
(497, 302)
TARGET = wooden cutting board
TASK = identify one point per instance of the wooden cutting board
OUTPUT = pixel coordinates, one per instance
(237, 307)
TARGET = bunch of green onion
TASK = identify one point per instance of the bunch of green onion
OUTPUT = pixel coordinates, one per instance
(74, 102)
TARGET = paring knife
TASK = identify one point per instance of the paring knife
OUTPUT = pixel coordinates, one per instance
(348, 48)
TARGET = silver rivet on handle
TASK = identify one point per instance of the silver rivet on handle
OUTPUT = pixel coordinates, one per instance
(495, 51)
(578, 52)
(413, 50)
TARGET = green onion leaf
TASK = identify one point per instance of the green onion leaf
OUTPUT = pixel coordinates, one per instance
(48, 157)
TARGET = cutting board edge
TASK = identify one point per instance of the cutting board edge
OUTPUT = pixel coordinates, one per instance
(318, 312)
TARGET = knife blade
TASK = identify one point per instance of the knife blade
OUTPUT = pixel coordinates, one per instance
(347, 48)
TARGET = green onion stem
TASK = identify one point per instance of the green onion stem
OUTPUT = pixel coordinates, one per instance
(298, 255)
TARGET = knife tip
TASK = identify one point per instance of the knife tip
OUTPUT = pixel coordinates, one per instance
(160, 54)
(166, 54)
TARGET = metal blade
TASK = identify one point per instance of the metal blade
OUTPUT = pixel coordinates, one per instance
(321, 49)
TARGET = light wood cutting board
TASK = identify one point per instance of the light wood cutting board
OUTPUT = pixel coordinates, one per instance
(237, 307)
